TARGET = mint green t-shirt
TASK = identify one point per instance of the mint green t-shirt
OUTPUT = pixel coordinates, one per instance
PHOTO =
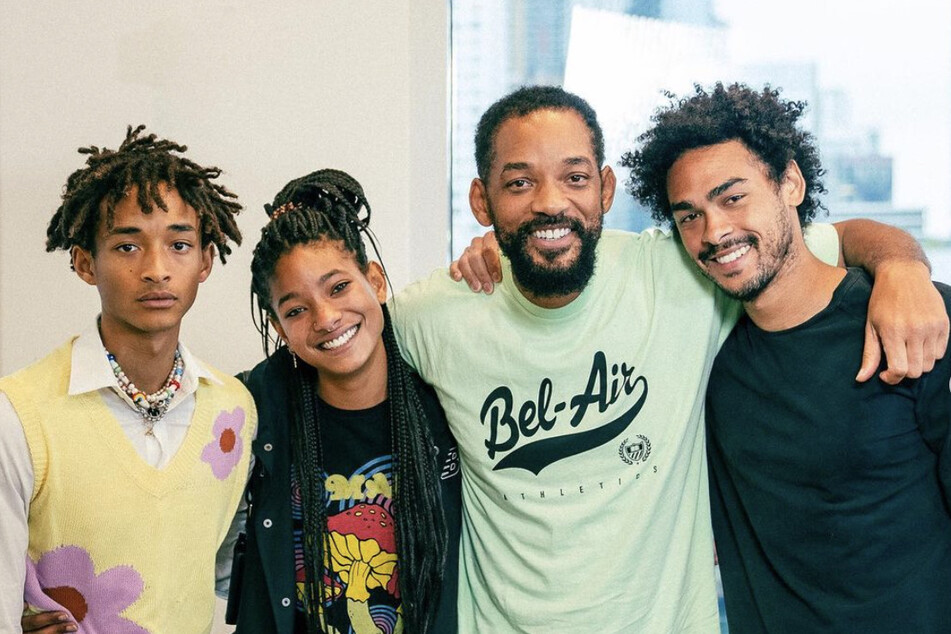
(584, 472)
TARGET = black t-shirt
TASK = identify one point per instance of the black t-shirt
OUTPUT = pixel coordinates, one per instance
(829, 497)
(362, 583)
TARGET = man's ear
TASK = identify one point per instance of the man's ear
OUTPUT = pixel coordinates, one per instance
(608, 187)
(793, 185)
(479, 202)
(84, 263)
(377, 280)
(207, 262)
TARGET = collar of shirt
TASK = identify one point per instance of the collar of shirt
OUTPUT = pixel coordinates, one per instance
(90, 369)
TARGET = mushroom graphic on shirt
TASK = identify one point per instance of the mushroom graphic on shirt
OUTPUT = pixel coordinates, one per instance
(363, 553)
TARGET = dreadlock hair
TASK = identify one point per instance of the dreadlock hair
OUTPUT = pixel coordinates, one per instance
(329, 205)
(762, 121)
(143, 162)
(523, 102)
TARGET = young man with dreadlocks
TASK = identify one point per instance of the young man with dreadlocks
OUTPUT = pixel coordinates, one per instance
(830, 498)
(123, 456)
(355, 502)
(576, 391)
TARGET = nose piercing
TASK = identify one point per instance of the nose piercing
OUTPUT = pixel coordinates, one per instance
(329, 329)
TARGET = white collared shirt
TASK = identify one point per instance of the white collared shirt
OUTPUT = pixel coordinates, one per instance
(89, 371)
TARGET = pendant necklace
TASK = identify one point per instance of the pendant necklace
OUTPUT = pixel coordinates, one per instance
(151, 407)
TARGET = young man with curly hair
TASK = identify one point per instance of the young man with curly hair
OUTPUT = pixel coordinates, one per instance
(575, 392)
(123, 457)
(830, 497)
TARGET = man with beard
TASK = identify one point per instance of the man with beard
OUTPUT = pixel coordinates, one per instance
(830, 497)
(574, 392)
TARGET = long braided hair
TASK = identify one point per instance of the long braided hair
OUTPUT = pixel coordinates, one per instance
(330, 205)
(143, 162)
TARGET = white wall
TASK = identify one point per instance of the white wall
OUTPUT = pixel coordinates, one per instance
(267, 91)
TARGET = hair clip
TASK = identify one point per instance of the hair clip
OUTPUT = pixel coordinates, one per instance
(283, 209)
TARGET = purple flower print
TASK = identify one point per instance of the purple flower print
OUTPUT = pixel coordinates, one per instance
(65, 579)
(224, 450)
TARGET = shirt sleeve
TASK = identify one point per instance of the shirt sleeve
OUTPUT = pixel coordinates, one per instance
(933, 412)
(823, 240)
(404, 309)
(224, 558)
(729, 311)
(16, 490)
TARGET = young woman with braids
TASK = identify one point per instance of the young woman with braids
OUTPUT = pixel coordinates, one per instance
(355, 511)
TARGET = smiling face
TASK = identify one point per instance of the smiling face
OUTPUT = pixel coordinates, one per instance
(147, 268)
(330, 314)
(738, 224)
(545, 197)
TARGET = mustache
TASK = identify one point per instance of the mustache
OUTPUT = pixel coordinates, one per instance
(544, 222)
(708, 253)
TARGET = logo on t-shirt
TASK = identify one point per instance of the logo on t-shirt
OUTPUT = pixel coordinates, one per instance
(635, 452)
(510, 428)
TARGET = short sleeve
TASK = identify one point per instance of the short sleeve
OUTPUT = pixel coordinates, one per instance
(823, 240)
(419, 313)
(933, 412)
(399, 307)
(728, 311)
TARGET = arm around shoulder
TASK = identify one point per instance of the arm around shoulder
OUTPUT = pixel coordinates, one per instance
(906, 314)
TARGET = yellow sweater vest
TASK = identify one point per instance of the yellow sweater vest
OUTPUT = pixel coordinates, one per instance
(124, 546)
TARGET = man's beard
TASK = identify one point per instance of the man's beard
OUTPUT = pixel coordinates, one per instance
(771, 260)
(551, 280)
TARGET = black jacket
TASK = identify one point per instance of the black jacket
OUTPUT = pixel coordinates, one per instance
(263, 590)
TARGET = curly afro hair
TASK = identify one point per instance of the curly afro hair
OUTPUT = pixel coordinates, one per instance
(762, 121)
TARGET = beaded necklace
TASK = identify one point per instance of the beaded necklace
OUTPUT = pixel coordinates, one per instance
(151, 407)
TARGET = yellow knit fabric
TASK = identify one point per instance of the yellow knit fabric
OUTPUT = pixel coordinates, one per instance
(127, 547)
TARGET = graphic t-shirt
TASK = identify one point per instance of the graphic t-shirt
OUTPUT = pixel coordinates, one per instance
(362, 578)
(584, 485)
